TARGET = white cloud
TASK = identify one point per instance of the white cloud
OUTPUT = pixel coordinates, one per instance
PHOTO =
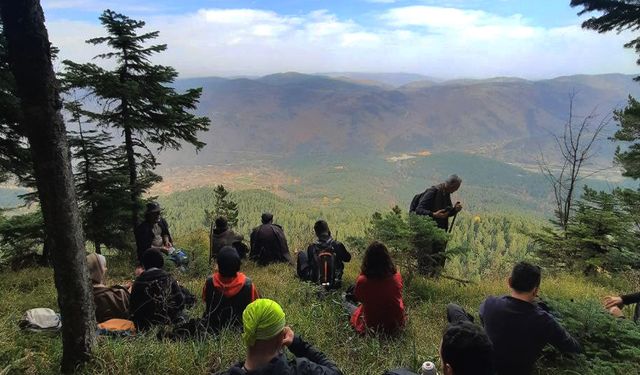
(438, 41)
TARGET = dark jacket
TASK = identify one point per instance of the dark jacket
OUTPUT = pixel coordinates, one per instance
(324, 243)
(630, 299)
(144, 235)
(434, 199)
(225, 299)
(156, 298)
(221, 238)
(269, 245)
(111, 303)
(308, 361)
(519, 330)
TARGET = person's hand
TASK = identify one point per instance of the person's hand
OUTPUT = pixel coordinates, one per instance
(288, 336)
(612, 301)
(440, 214)
(457, 207)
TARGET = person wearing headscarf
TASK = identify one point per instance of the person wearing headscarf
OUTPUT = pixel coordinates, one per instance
(227, 292)
(156, 297)
(111, 302)
(265, 334)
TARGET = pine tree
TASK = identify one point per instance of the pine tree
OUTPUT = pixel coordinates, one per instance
(100, 180)
(223, 207)
(142, 103)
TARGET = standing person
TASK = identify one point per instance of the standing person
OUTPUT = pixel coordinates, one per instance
(227, 292)
(111, 302)
(379, 291)
(520, 328)
(268, 243)
(435, 202)
(266, 335)
(156, 297)
(221, 235)
(153, 232)
(309, 263)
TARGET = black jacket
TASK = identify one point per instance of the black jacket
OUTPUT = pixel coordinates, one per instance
(156, 298)
(341, 256)
(144, 235)
(219, 239)
(434, 199)
(308, 361)
(269, 245)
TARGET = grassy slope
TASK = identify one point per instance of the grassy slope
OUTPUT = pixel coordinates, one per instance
(321, 321)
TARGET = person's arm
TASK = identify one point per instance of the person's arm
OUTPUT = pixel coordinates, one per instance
(561, 339)
(425, 202)
(166, 236)
(630, 299)
(342, 252)
(318, 362)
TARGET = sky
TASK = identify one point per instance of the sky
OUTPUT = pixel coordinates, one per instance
(533, 39)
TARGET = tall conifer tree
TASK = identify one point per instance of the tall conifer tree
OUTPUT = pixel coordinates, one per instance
(138, 100)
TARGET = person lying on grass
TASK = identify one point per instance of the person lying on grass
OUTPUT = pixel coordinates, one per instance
(227, 292)
(378, 289)
(266, 335)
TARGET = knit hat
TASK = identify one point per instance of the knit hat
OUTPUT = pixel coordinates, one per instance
(228, 261)
(262, 320)
(152, 259)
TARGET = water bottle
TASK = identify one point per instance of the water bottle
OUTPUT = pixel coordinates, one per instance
(428, 368)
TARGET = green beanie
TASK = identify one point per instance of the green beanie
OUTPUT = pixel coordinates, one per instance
(262, 320)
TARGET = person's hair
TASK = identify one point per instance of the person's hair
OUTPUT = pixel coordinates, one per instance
(152, 259)
(221, 222)
(467, 349)
(525, 277)
(228, 261)
(267, 218)
(377, 263)
(453, 180)
(321, 227)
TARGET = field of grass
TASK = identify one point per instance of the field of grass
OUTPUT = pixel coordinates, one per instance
(320, 320)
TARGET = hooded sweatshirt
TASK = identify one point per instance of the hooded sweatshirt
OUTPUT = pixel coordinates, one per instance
(111, 303)
(156, 298)
(225, 299)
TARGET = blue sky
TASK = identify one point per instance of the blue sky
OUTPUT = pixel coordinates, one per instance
(446, 39)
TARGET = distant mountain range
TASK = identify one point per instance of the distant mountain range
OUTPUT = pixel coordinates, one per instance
(284, 114)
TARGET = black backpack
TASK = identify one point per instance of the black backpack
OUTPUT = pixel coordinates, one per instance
(416, 201)
(325, 262)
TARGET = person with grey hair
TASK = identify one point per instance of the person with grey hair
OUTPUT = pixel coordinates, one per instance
(435, 202)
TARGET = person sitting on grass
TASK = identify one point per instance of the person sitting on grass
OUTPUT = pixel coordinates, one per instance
(309, 262)
(221, 235)
(227, 292)
(379, 291)
(465, 350)
(156, 297)
(266, 335)
(111, 302)
(268, 243)
(519, 327)
(615, 304)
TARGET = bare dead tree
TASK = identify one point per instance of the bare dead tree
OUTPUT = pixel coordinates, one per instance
(575, 149)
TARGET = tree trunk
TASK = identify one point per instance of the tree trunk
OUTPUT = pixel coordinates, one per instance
(133, 176)
(30, 58)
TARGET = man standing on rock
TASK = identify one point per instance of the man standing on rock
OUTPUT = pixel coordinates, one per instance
(435, 202)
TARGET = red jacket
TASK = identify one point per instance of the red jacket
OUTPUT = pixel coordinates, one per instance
(381, 306)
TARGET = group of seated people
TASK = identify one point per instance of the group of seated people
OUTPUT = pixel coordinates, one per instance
(514, 328)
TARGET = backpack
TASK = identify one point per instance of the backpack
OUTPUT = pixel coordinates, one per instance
(325, 260)
(416, 201)
(40, 320)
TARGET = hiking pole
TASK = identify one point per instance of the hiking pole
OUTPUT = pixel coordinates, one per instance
(452, 222)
